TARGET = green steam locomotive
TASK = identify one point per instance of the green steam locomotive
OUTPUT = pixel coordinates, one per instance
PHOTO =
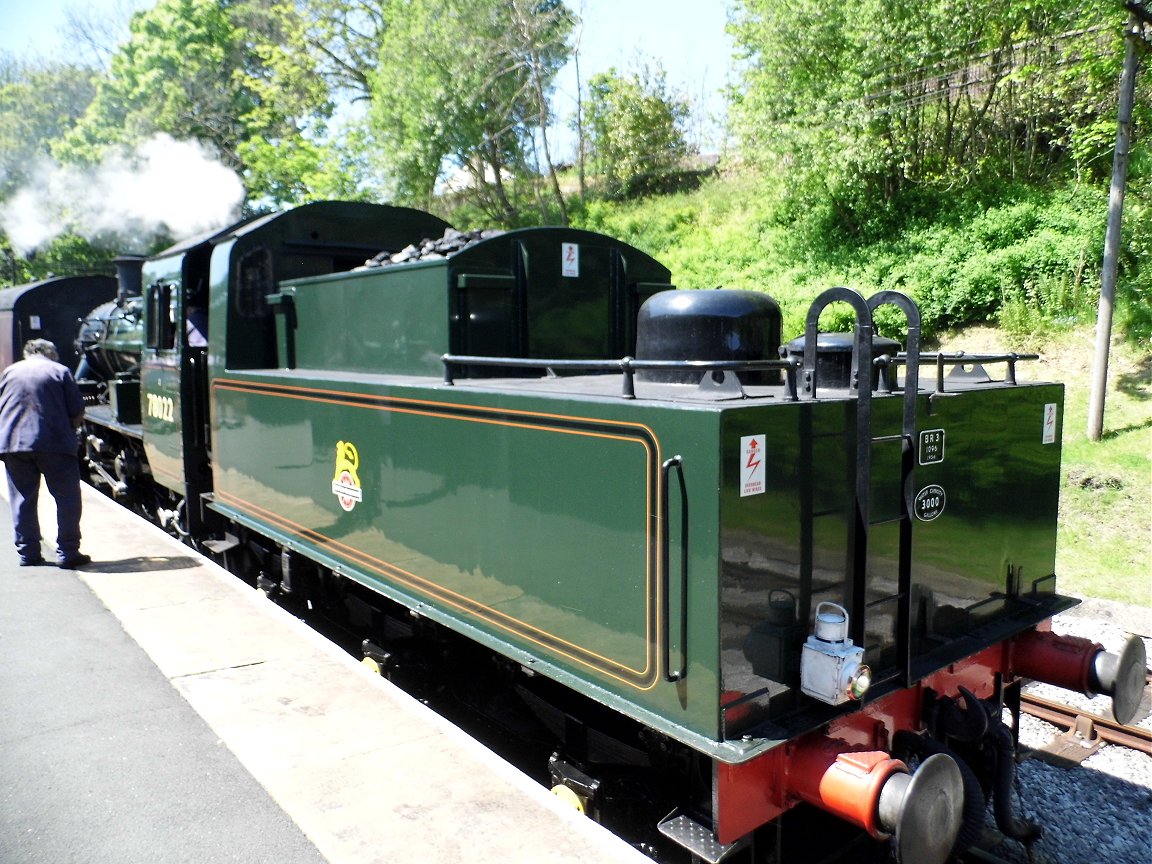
(733, 573)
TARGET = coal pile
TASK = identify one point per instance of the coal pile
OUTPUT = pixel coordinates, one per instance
(432, 249)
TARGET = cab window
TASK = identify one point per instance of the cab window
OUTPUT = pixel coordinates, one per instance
(163, 312)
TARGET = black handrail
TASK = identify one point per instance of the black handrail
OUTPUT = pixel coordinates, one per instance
(907, 475)
(861, 369)
(681, 671)
(943, 359)
(627, 365)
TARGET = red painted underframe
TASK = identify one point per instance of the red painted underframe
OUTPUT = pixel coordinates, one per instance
(754, 793)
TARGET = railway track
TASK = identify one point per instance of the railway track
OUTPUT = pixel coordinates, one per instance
(1085, 732)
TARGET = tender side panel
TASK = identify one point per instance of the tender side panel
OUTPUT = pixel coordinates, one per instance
(499, 515)
(533, 525)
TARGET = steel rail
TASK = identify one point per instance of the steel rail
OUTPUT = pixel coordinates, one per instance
(1092, 726)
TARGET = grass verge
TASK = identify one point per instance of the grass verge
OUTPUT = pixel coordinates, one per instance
(1104, 546)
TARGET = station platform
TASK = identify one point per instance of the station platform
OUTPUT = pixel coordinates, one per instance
(155, 709)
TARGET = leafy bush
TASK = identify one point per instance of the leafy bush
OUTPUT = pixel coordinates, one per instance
(635, 130)
(1026, 258)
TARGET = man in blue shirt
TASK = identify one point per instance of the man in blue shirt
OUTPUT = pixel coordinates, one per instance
(40, 410)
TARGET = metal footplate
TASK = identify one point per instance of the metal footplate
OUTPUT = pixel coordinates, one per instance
(229, 541)
(697, 839)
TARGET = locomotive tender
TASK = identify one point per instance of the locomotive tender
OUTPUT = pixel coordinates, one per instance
(783, 584)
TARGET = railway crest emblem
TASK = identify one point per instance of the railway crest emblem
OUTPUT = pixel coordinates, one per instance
(345, 482)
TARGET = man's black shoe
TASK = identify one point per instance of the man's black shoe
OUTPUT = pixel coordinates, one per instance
(75, 561)
(31, 562)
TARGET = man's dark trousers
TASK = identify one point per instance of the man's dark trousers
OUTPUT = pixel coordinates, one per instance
(61, 471)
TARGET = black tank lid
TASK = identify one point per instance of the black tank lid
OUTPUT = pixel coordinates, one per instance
(834, 357)
(721, 324)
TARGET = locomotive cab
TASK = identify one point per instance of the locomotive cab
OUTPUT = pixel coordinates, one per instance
(173, 382)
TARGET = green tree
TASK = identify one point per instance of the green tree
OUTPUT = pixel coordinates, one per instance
(868, 103)
(634, 130)
(462, 85)
(342, 38)
(283, 149)
(65, 255)
(228, 73)
(315, 63)
(39, 103)
(175, 74)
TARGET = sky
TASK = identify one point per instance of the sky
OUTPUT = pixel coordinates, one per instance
(34, 28)
(685, 36)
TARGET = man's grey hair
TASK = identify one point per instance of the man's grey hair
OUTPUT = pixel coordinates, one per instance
(40, 346)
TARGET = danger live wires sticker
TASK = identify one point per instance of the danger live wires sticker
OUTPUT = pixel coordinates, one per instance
(751, 465)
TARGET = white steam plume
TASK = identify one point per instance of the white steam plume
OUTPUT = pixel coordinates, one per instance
(163, 186)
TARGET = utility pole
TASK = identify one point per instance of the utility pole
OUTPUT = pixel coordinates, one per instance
(1138, 15)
